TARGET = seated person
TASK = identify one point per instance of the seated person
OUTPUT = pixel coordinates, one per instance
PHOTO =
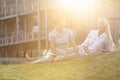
(98, 40)
(59, 40)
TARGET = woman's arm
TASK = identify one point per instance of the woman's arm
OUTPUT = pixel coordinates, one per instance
(87, 50)
(86, 43)
(72, 39)
(51, 41)
(52, 46)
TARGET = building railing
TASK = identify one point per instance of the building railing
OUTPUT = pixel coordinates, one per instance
(7, 9)
(11, 38)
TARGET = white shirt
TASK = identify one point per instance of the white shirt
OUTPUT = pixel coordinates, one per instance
(94, 42)
(61, 39)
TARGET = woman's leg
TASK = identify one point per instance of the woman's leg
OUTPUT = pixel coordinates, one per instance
(65, 54)
(47, 58)
(34, 58)
(38, 60)
(61, 54)
(31, 59)
(59, 58)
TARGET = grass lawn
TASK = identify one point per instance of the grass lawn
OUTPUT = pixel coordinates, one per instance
(99, 67)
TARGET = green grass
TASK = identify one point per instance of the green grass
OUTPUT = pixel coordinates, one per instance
(99, 67)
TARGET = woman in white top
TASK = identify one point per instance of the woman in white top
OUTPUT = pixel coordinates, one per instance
(59, 40)
(98, 40)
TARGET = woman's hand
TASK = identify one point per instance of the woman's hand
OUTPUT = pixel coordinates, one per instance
(87, 50)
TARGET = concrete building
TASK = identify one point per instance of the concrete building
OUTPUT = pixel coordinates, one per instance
(25, 24)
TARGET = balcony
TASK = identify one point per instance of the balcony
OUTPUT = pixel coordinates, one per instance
(12, 38)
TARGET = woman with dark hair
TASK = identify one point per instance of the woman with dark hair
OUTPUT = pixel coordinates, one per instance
(59, 40)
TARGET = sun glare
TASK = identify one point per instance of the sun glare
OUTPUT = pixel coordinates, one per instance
(69, 4)
(86, 4)
(77, 4)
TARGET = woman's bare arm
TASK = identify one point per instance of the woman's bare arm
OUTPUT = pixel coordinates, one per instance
(87, 50)
(74, 45)
(52, 46)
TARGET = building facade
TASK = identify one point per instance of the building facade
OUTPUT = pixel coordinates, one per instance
(25, 24)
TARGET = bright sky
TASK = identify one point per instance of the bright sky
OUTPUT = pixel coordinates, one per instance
(78, 4)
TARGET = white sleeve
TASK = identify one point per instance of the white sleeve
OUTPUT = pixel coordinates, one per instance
(86, 42)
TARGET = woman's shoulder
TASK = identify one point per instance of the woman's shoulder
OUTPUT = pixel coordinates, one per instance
(68, 30)
(53, 32)
(93, 31)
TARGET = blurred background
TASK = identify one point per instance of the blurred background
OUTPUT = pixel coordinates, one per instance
(25, 24)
